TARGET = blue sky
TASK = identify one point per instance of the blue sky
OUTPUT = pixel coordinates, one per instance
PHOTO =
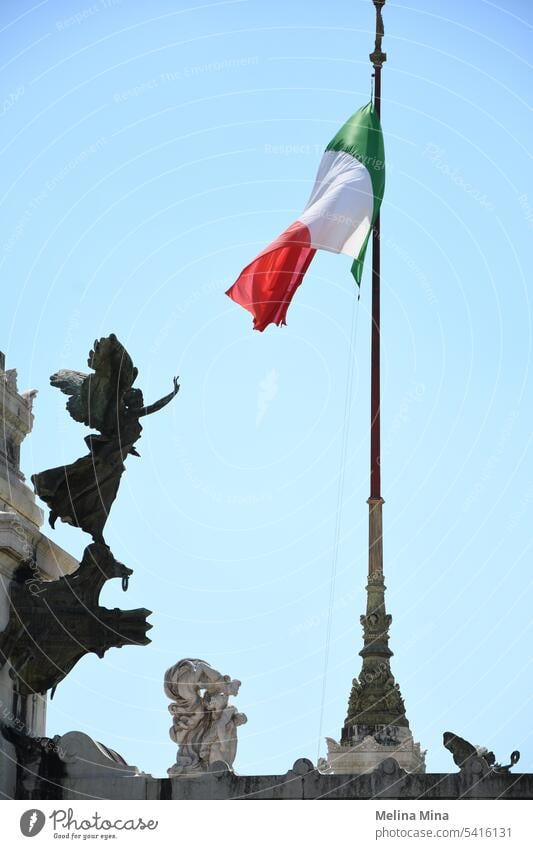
(148, 153)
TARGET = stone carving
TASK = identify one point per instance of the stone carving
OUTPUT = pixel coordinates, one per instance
(87, 758)
(53, 624)
(460, 749)
(302, 766)
(20, 517)
(204, 724)
(375, 699)
(506, 768)
(371, 748)
(465, 754)
(47, 764)
(17, 420)
(83, 492)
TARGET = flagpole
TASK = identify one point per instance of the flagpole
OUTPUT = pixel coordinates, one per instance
(375, 700)
(377, 59)
(375, 501)
(376, 726)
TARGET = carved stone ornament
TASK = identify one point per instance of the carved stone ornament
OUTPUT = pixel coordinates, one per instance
(53, 624)
(475, 758)
(367, 753)
(375, 699)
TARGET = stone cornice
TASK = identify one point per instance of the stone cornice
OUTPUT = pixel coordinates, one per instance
(22, 542)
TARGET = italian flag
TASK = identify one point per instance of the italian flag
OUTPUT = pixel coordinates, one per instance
(338, 217)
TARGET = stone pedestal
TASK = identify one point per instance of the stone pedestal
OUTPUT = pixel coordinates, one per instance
(370, 751)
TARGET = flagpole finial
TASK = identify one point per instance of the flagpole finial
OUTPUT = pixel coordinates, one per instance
(378, 57)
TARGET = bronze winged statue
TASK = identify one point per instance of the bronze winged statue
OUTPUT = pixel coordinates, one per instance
(105, 400)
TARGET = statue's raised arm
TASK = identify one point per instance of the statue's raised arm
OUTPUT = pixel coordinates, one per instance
(158, 405)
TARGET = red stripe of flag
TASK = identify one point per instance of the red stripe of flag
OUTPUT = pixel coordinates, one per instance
(267, 285)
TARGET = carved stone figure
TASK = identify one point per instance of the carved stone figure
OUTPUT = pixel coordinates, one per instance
(82, 493)
(460, 749)
(53, 624)
(464, 753)
(204, 724)
(375, 699)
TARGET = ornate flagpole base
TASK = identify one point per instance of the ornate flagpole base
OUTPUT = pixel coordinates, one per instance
(376, 727)
(370, 747)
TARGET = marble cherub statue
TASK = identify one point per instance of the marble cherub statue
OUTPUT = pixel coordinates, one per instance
(204, 724)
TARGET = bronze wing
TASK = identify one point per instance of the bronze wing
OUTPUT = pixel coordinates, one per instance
(96, 399)
(70, 383)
